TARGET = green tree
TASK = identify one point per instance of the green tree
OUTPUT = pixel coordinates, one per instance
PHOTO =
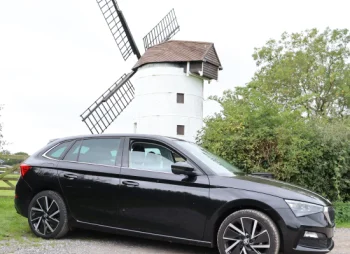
(22, 153)
(308, 71)
(2, 142)
(250, 128)
(293, 117)
(5, 152)
(258, 134)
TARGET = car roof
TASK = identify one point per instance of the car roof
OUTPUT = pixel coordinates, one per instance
(160, 137)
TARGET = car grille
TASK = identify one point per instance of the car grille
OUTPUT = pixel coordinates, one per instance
(315, 243)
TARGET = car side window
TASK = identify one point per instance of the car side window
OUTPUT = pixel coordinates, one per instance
(151, 156)
(72, 154)
(59, 150)
(99, 151)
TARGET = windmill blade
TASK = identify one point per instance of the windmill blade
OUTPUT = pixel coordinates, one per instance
(109, 105)
(163, 31)
(120, 30)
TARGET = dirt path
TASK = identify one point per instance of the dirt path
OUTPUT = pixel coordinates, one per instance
(86, 242)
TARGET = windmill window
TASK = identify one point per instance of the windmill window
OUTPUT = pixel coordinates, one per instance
(180, 130)
(180, 98)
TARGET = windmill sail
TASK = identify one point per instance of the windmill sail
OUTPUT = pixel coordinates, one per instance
(163, 31)
(109, 105)
(119, 28)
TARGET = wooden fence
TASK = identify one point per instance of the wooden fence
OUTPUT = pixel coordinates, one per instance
(8, 178)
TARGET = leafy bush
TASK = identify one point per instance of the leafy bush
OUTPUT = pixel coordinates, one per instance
(293, 117)
(13, 159)
(342, 214)
(259, 135)
(21, 153)
(2, 142)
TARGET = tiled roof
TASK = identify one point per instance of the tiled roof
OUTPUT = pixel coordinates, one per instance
(180, 51)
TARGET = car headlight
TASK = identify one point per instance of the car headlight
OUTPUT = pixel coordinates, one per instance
(301, 208)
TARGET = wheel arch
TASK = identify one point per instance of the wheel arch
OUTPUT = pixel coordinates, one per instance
(241, 204)
(47, 187)
(44, 178)
(42, 212)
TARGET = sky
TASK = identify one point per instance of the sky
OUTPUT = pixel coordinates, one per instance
(58, 57)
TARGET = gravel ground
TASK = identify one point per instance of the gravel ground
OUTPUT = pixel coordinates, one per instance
(92, 242)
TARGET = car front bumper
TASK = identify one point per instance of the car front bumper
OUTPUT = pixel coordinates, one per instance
(293, 232)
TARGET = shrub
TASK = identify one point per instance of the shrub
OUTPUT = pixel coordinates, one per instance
(13, 159)
(342, 214)
(259, 135)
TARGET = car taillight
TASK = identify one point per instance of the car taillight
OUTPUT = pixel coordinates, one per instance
(24, 169)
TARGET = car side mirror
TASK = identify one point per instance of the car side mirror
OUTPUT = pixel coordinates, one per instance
(183, 168)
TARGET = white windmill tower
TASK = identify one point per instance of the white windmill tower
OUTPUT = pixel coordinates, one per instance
(168, 80)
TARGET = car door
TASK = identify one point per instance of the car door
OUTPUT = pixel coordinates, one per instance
(155, 200)
(89, 177)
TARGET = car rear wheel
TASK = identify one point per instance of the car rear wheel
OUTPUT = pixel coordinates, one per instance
(248, 232)
(47, 215)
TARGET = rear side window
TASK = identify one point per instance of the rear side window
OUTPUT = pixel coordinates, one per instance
(72, 154)
(58, 151)
(99, 151)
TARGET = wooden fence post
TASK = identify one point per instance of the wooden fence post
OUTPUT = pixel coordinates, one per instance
(8, 180)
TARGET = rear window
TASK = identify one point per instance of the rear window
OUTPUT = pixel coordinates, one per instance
(72, 155)
(99, 151)
(58, 151)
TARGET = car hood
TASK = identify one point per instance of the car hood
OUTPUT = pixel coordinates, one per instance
(271, 187)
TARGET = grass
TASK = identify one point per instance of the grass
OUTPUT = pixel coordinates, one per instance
(12, 225)
(343, 225)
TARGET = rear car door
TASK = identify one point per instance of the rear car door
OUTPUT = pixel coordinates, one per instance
(89, 178)
(153, 199)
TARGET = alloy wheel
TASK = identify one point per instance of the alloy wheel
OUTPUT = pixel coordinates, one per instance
(246, 236)
(45, 215)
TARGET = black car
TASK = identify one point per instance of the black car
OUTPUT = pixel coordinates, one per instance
(170, 189)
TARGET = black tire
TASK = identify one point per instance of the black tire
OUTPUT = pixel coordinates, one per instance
(261, 236)
(47, 215)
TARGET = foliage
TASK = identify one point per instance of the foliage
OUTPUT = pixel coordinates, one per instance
(12, 160)
(21, 153)
(5, 152)
(258, 134)
(2, 142)
(309, 71)
(342, 214)
(293, 118)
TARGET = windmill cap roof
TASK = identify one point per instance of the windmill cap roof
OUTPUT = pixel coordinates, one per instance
(180, 51)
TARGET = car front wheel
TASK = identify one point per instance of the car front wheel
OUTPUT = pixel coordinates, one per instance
(248, 232)
(47, 215)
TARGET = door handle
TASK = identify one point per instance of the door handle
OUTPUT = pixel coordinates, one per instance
(70, 176)
(130, 183)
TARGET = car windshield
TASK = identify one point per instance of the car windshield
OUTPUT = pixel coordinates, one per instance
(217, 164)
